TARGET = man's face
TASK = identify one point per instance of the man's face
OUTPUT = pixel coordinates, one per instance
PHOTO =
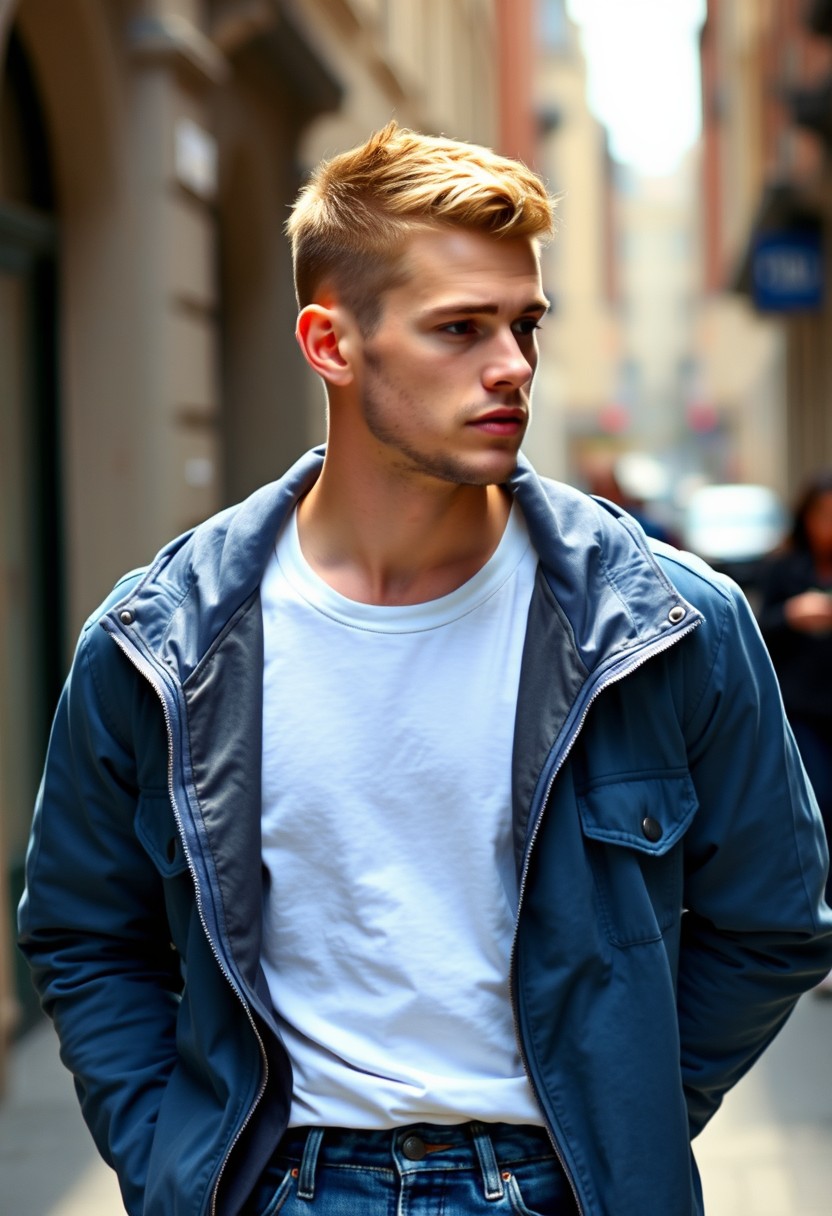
(443, 382)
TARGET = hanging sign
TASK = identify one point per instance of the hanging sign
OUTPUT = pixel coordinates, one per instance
(787, 270)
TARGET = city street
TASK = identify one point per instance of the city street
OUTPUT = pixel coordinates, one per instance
(540, 288)
(767, 1153)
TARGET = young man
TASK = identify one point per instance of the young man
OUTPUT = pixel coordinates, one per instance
(413, 837)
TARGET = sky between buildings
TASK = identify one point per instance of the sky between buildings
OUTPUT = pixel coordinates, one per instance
(643, 68)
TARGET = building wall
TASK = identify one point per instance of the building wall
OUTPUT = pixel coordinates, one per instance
(178, 134)
(659, 281)
(771, 372)
(576, 382)
(741, 353)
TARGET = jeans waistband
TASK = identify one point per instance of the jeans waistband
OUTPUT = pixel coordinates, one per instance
(489, 1148)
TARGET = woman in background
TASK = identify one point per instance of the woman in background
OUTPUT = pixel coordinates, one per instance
(795, 616)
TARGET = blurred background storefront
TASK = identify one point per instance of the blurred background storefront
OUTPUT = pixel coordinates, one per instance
(149, 152)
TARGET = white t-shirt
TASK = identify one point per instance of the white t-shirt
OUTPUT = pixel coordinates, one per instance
(390, 908)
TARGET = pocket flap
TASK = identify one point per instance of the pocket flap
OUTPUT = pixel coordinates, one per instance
(649, 814)
(156, 829)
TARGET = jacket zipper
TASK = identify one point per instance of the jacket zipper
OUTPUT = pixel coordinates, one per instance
(147, 671)
(613, 678)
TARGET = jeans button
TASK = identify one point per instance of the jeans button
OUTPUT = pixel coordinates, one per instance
(413, 1148)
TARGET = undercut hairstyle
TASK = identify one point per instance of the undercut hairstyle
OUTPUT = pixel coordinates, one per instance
(350, 221)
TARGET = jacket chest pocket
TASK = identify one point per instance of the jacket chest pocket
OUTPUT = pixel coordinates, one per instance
(633, 831)
(156, 829)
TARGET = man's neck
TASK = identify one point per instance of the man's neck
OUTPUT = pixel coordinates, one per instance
(400, 543)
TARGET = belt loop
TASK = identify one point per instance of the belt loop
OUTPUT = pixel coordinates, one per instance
(306, 1179)
(491, 1177)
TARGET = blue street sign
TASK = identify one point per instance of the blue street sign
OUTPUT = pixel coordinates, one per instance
(787, 270)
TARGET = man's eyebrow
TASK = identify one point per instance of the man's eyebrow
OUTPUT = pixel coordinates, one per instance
(486, 307)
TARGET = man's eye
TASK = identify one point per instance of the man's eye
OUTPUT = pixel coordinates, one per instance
(459, 329)
(526, 326)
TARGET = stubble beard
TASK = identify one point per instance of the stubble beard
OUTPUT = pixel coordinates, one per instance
(456, 470)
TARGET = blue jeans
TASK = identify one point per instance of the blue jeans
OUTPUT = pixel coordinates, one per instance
(421, 1170)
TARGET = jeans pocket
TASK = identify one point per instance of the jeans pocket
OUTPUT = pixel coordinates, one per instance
(276, 1201)
(539, 1189)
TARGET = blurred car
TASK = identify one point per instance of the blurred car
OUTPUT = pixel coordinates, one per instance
(733, 527)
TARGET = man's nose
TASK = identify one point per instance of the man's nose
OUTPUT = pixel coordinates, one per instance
(508, 365)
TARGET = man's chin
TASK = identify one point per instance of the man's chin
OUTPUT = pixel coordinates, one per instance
(488, 471)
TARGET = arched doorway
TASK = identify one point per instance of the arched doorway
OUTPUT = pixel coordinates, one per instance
(31, 576)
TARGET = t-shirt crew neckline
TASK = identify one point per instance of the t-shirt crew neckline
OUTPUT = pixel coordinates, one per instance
(403, 618)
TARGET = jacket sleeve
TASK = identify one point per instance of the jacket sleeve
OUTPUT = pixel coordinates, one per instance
(92, 922)
(756, 932)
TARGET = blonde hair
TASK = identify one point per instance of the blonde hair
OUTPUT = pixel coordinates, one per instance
(350, 220)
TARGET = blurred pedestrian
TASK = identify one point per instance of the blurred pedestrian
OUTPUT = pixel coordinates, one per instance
(795, 616)
(605, 481)
(413, 838)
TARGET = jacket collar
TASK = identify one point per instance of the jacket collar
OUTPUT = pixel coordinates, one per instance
(601, 568)
(595, 558)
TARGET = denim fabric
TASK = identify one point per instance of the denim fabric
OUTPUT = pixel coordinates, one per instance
(421, 1170)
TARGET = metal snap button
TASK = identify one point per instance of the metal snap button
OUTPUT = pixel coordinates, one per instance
(676, 614)
(651, 829)
(413, 1148)
(126, 617)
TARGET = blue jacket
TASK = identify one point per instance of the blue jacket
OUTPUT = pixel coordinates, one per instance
(671, 855)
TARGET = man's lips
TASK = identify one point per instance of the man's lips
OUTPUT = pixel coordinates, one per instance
(505, 420)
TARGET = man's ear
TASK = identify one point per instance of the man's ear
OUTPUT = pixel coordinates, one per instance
(322, 334)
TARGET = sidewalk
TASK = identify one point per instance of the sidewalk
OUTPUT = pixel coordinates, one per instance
(48, 1166)
(768, 1152)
